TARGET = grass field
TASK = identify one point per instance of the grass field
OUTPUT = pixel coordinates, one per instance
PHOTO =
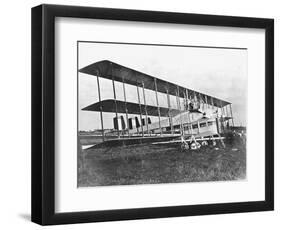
(150, 164)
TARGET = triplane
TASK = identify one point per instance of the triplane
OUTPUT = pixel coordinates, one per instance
(198, 119)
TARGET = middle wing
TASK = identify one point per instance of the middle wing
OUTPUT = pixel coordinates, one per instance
(132, 108)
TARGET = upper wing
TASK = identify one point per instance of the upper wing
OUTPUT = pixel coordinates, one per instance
(113, 71)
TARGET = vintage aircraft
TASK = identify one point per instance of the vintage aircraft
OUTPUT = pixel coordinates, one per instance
(197, 116)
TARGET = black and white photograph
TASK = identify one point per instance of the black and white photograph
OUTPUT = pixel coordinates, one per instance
(160, 113)
(140, 114)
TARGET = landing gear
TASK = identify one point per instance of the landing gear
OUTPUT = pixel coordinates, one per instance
(214, 142)
(195, 145)
(184, 144)
(204, 143)
(192, 144)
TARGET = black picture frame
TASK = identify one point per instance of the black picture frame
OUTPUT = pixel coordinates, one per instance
(43, 114)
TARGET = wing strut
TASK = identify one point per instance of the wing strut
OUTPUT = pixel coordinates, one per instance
(101, 117)
(169, 107)
(116, 109)
(145, 107)
(140, 110)
(190, 129)
(231, 115)
(125, 99)
(156, 94)
(179, 108)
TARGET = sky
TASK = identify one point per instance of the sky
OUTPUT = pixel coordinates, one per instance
(221, 73)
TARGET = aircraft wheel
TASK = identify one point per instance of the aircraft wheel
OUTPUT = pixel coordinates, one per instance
(195, 146)
(204, 143)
